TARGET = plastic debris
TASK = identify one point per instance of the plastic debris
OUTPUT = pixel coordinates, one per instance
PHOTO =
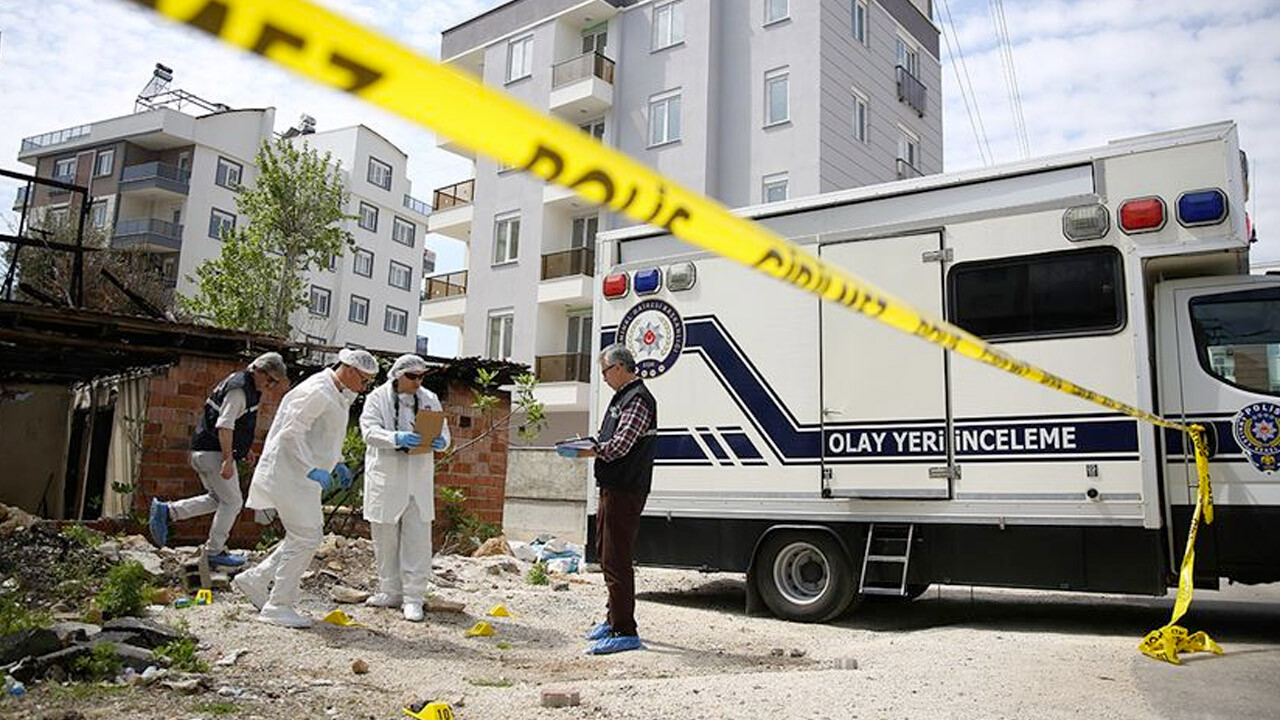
(204, 597)
(182, 602)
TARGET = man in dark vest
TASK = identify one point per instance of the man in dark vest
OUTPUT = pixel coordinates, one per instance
(223, 436)
(624, 450)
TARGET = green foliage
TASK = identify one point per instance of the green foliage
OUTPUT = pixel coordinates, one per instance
(101, 663)
(537, 574)
(181, 655)
(83, 536)
(292, 223)
(126, 590)
(525, 402)
(14, 616)
(462, 525)
(270, 536)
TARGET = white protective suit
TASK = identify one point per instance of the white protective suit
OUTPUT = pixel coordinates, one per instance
(307, 433)
(399, 491)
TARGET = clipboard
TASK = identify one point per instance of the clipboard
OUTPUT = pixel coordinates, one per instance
(428, 424)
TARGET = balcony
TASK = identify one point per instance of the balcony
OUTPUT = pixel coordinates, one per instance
(444, 300)
(567, 277)
(57, 191)
(910, 90)
(574, 367)
(453, 213)
(147, 234)
(19, 199)
(57, 137)
(578, 261)
(582, 86)
(906, 170)
(155, 181)
(416, 205)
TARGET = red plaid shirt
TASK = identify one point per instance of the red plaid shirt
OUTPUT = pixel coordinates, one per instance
(634, 422)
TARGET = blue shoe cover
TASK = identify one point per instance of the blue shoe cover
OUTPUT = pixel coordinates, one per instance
(601, 631)
(158, 522)
(615, 644)
(226, 559)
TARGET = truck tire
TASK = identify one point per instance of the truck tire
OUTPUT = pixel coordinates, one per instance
(804, 576)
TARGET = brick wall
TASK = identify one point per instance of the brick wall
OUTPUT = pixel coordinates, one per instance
(175, 400)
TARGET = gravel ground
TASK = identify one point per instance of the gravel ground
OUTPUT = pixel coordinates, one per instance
(953, 653)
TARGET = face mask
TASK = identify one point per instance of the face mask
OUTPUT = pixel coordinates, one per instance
(348, 395)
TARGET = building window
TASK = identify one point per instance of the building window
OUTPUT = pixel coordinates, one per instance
(229, 173)
(368, 217)
(860, 116)
(98, 214)
(664, 118)
(358, 310)
(104, 163)
(64, 169)
(579, 340)
(403, 231)
(595, 128)
(363, 263)
(668, 24)
(506, 239)
(1063, 293)
(908, 153)
(396, 321)
(584, 231)
(501, 328)
(595, 39)
(379, 173)
(520, 58)
(860, 21)
(221, 224)
(776, 10)
(776, 106)
(774, 188)
(319, 303)
(908, 58)
(400, 275)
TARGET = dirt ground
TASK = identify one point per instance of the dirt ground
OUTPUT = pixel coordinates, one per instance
(953, 653)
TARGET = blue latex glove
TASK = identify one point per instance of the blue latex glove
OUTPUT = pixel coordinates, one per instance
(323, 477)
(439, 443)
(343, 475)
(408, 439)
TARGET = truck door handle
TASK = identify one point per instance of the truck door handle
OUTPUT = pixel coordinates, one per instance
(830, 412)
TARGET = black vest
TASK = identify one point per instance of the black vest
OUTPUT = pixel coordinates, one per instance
(206, 435)
(632, 472)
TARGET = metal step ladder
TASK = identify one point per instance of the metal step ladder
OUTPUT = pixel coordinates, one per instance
(888, 548)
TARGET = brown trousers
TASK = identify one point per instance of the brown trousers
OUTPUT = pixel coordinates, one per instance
(617, 520)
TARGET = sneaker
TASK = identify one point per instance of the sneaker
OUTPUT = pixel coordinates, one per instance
(255, 589)
(284, 617)
(413, 611)
(158, 522)
(227, 559)
(382, 600)
(601, 631)
(615, 644)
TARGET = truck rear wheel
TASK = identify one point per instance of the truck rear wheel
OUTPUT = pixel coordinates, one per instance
(804, 576)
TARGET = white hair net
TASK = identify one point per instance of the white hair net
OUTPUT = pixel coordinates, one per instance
(408, 363)
(358, 359)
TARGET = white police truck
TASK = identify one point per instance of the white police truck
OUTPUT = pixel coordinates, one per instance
(829, 457)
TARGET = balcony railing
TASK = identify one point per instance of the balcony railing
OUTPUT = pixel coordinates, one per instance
(56, 137)
(907, 170)
(20, 198)
(448, 285)
(574, 367)
(156, 174)
(582, 67)
(910, 90)
(416, 205)
(578, 261)
(455, 195)
(68, 179)
(147, 231)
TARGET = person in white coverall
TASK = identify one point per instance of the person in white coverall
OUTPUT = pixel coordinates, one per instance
(399, 488)
(301, 461)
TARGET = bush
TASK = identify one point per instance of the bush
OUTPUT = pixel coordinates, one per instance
(15, 617)
(537, 574)
(181, 655)
(101, 663)
(126, 590)
(83, 536)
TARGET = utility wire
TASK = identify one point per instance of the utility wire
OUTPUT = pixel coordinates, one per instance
(965, 83)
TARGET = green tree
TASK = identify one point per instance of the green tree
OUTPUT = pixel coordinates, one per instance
(293, 219)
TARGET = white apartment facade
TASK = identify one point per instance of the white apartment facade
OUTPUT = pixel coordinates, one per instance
(164, 181)
(750, 102)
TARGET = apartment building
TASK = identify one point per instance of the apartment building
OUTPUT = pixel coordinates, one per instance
(163, 181)
(749, 101)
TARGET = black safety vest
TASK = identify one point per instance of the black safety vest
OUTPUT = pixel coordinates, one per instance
(206, 434)
(632, 472)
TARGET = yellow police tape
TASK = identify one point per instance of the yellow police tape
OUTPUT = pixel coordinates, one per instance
(324, 47)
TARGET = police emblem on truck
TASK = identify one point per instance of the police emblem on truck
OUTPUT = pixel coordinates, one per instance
(1257, 429)
(654, 332)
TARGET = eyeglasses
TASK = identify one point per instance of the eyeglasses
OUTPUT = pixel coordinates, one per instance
(605, 370)
(412, 375)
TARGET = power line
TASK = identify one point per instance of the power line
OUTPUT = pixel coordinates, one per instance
(1010, 76)
(965, 84)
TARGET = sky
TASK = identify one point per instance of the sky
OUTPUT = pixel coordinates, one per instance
(1087, 72)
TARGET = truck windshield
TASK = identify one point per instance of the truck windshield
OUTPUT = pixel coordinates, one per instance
(1238, 337)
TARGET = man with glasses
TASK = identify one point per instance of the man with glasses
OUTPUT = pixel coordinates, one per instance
(301, 461)
(624, 452)
(399, 488)
(224, 435)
